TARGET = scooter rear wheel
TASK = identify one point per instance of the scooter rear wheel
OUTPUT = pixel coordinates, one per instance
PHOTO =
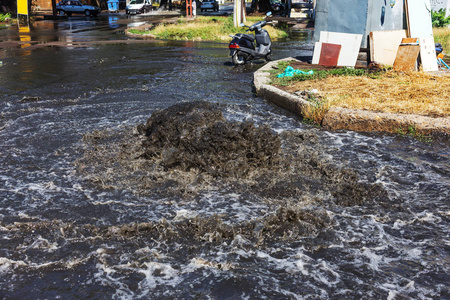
(238, 58)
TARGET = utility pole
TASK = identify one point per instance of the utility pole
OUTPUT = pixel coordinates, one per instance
(238, 12)
(54, 7)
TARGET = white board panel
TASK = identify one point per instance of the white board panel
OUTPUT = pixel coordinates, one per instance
(351, 43)
(419, 18)
(428, 54)
(384, 45)
(316, 53)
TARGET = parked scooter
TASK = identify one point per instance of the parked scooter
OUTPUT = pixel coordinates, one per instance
(245, 47)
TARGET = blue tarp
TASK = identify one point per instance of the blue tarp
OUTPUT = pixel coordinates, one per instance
(290, 71)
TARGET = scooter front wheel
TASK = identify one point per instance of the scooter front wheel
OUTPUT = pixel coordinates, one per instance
(238, 58)
(269, 57)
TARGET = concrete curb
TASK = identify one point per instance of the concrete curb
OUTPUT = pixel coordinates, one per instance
(350, 119)
(261, 80)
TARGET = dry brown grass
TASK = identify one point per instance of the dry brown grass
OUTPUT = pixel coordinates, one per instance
(315, 112)
(406, 93)
(442, 35)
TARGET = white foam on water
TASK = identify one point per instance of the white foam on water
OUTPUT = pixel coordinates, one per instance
(159, 273)
(367, 240)
(232, 206)
(239, 241)
(374, 259)
(7, 265)
(107, 276)
(396, 290)
(43, 244)
(184, 214)
(428, 217)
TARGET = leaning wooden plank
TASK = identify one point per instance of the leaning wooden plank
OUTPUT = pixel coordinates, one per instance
(351, 43)
(406, 57)
(384, 45)
(329, 55)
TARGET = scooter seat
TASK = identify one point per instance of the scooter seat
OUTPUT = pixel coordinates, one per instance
(249, 37)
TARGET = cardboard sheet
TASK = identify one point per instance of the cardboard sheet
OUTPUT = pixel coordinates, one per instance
(351, 43)
(316, 53)
(384, 45)
(428, 54)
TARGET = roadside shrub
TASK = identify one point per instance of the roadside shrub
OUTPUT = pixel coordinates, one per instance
(315, 112)
(438, 18)
(5, 17)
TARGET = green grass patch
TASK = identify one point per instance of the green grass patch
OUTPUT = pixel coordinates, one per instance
(137, 31)
(412, 131)
(318, 74)
(213, 28)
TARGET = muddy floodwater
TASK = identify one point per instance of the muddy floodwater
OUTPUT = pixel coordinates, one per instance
(151, 170)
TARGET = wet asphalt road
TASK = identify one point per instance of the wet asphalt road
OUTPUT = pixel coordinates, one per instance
(60, 234)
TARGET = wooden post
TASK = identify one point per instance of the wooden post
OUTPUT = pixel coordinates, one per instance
(238, 12)
(242, 19)
(54, 7)
(189, 8)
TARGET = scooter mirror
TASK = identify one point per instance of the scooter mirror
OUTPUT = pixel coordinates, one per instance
(242, 25)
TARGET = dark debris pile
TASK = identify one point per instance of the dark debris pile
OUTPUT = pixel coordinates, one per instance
(190, 148)
(196, 136)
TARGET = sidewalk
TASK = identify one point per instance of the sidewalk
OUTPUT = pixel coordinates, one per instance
(338, 118)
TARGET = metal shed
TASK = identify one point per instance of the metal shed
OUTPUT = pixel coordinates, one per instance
(359, 17)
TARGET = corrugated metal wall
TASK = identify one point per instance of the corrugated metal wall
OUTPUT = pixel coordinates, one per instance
(358, 16)
(383, 16)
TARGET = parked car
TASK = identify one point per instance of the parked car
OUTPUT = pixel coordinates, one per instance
(138, 7)
(209, 4)
(69, 7)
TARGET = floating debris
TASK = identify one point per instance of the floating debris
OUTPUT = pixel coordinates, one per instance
(30, 99)
(190, 148)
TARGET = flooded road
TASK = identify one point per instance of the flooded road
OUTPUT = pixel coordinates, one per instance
(342, 215)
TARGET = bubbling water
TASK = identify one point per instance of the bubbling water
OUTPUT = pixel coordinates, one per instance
(190, 148)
